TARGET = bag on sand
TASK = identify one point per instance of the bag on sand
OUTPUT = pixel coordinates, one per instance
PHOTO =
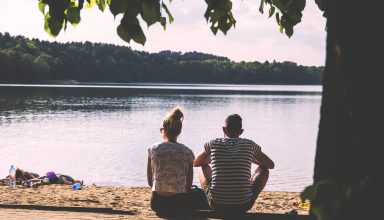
(197, 199)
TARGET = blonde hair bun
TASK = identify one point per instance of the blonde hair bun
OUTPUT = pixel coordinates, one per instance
(176, 114)
(172, 123)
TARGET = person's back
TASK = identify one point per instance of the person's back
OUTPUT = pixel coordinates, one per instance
(229, 185)
(231, 160)
(170, 163)
(169, 168)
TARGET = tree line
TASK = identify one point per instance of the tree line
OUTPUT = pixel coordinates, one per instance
(24, 60)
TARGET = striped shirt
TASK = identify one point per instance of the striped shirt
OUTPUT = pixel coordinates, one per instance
(231, 160)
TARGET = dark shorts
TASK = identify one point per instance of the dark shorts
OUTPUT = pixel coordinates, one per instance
(169, 204)
(227, 207)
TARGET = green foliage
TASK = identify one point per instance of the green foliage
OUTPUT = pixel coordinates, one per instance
(150, 11)
(73, 15)
(336, 200)
(52, 27)
(63, 11)
(130, 29)
(41, 8)
(290, 10)
(119, 6)
(24, 60)
(102, 4)
(326, 198)
(218, 14)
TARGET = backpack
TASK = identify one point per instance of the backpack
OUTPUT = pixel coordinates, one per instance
(197, 199)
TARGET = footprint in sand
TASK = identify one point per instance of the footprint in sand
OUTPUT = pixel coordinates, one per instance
(113, 203)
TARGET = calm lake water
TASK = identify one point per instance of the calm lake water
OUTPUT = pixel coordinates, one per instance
(100, 133)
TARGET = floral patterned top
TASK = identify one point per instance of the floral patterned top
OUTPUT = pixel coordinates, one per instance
(170, 163)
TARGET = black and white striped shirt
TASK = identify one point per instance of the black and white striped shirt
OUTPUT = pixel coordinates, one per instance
(231, 160)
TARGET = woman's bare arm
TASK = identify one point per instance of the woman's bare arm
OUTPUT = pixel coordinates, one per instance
(189, 177)
(149, 172)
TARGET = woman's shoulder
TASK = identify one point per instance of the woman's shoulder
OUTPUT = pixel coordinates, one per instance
(156, 145)
(183, 146)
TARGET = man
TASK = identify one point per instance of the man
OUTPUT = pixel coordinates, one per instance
(228, 184)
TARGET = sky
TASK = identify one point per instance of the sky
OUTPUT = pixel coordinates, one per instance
(255, 37)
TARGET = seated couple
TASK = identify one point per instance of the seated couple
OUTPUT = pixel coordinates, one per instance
(225, 173)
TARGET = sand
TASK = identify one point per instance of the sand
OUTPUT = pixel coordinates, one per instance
(129, 198)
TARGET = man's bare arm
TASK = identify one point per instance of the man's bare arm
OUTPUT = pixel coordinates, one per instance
(264, 161)
(202, 159)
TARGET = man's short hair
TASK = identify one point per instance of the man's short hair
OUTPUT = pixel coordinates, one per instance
(233, 123)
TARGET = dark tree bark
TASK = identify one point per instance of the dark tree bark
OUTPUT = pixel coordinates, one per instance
(351, 133)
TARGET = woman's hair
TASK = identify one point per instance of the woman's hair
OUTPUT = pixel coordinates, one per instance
(19, 173)
(172, 123)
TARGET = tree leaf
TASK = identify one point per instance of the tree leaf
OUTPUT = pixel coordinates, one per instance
(73, 15)
(261, 8)
(150, 12)
(278, 18)
(219, 14)
(90, 3)
(308, 193)
(52, 27)
(118, 6)
(294, 15)
(279, 4)
(163, 22)
(42, 7)
(101, 4)
(170, 18)
(289, 30)
(214, 29)
(129, 29)
(207, 13)
(216, 15)
(300, 4)
(81, 4)
(133, 8)
(271, 11)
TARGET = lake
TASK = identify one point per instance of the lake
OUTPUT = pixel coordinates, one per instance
(101, 133)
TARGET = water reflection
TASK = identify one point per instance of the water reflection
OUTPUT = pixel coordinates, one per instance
(102, 136)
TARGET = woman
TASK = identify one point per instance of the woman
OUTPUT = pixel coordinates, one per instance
(22, 175)
(169, 168)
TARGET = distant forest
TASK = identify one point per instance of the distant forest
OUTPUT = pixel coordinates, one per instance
(23, 60)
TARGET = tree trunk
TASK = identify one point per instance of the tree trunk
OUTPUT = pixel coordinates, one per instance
(351, 130)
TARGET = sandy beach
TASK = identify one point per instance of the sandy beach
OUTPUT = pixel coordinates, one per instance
(134, 199)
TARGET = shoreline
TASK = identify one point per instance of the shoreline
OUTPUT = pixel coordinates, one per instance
(244, 89)
(134, 199)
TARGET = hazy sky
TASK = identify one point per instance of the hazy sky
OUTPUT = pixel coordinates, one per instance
(255, 37)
